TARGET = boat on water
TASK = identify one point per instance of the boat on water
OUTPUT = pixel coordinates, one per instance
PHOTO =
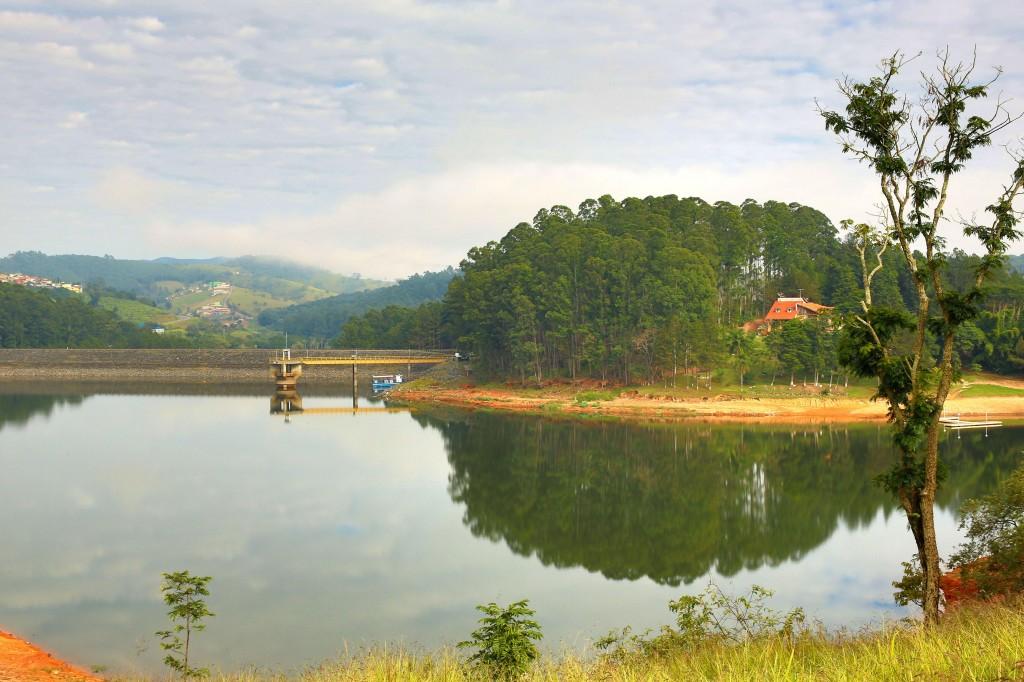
(382, 382)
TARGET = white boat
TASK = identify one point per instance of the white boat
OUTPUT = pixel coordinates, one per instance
(382, 382)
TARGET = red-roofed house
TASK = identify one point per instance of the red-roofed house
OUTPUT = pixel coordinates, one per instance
(787, 308)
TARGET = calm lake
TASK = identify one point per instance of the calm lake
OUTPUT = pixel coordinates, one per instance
(330, 528)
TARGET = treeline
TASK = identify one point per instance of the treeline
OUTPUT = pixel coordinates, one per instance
(636, 290)
(56, 319)
(396, 327)
(324, 318)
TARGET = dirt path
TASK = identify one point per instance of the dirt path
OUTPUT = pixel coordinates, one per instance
(21, 661)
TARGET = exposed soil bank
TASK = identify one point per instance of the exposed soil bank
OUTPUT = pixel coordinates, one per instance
(185, 366)
(25, 662)
(712, 407)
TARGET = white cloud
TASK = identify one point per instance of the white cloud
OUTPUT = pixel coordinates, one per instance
(148, 24)
(440, 124)
(74, 120)
(62, 55)
(128, 191)
(429, 222)
(116, 51)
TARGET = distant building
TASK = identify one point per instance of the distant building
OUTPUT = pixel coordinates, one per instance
(38, 282)
(786, 308)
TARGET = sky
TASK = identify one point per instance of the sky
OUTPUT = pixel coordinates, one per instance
(389, 137)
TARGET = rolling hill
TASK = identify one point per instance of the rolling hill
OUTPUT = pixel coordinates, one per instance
(324, 318)
(256, 283)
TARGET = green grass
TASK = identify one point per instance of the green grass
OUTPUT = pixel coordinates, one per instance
(991, 391)
(252, 302)
(781, 389)
(187, 303)
(595, 395)
(134, 311)
(985, 643)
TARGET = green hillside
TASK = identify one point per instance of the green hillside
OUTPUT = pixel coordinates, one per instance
(135, 311)
(325, 318)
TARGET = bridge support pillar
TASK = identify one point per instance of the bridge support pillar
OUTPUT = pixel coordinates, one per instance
(355, 387)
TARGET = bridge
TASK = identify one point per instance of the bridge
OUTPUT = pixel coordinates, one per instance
(287, 367)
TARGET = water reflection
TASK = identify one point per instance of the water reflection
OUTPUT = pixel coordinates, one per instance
(285, 402)
(674, 502)
(288, 402)
(18, 410)
(355, 528)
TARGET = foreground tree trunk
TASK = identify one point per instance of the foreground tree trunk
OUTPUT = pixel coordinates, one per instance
(915, 145)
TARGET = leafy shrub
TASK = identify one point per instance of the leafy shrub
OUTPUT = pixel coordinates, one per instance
(504, 642)
(709, 617)
(910, 588)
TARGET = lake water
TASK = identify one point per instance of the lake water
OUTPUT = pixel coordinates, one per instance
(330, 528)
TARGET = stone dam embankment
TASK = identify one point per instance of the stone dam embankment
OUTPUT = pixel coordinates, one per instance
(159, 365)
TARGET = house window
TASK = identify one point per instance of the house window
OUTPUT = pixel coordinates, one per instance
(778, 310)
(789, 310)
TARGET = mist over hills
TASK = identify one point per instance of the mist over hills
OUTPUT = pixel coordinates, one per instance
(283, 281)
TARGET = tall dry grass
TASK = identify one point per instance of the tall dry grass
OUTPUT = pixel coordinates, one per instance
(980, 643)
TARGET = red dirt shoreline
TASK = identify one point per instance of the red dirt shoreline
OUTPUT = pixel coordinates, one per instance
(22, 661)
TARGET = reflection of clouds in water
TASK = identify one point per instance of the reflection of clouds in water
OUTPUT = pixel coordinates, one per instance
(223, 491)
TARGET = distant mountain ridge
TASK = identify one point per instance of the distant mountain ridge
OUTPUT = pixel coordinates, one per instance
(283, 282)
(325, 318)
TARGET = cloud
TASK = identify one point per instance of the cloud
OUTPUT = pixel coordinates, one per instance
(116, 51)
(441, 123)
(62, 55)
(430, 221)
(74, 120)
(148, 24)
(128, 191)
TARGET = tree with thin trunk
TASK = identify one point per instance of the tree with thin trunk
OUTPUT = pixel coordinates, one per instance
(184, 593)
(916, 145)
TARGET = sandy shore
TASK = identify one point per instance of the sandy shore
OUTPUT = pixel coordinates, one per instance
(718, 407)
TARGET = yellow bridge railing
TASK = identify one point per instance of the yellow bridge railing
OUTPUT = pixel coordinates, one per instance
(366, 357)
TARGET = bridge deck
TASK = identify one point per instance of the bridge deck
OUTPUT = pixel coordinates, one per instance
(372, 360)
(340, 410)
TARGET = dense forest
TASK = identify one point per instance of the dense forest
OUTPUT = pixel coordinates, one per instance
(396, 327)
(324, 318)
(637, 289)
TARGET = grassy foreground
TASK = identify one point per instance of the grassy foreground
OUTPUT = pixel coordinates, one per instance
(982, 643)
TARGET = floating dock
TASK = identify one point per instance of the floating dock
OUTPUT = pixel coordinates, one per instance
(956, 423)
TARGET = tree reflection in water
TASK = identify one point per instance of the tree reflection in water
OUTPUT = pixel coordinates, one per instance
(17, 410)
(671, 502)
